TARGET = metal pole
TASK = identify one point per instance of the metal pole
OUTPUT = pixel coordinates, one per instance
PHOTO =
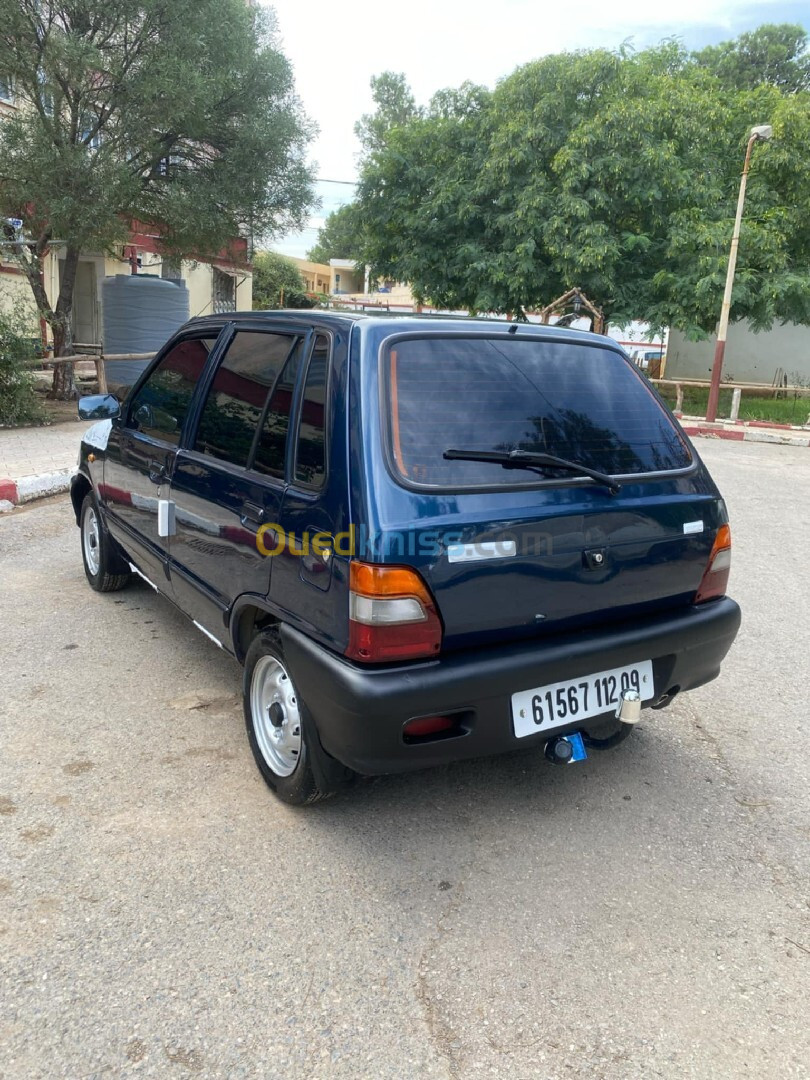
(722, 329)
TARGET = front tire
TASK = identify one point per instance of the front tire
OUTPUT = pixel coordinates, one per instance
(102, 565)
(276, 724)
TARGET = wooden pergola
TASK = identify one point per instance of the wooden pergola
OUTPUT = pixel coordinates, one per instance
(577, 301)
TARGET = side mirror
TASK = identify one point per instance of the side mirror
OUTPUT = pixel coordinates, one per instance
(99, 407)
(143, 416)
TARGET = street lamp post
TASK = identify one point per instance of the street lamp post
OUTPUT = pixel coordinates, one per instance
(764, 131)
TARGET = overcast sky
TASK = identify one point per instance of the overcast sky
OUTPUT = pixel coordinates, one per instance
(335, 49)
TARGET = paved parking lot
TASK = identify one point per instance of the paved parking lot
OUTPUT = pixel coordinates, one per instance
(645, 914)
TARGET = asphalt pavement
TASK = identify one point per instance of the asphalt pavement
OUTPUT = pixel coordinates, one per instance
(644, 914)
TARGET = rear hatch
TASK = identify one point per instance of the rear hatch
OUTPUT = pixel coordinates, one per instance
(517, 551)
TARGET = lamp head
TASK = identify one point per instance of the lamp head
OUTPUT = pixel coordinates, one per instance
(763, 131)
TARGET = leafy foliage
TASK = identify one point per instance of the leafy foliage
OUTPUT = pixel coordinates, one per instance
(273, 273)
(772, 54)
(339, 238)
(614, 172)
(395, 107)
(178, 113)
(18, 400)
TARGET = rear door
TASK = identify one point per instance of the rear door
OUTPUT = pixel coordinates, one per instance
(511, 552)
(142, 447)
(302, 572)
(228, 483)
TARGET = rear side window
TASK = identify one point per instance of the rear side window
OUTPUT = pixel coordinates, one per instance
(310, 461)
(271, 451)
(579, 402)
(238, 394)
(160, 406)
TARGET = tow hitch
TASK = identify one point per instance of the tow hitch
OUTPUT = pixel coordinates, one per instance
(566, 749)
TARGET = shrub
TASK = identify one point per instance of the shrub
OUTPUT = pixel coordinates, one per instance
(19, 403)
(277, 283)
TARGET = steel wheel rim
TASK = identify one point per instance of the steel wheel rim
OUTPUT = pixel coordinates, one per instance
(91, 541)
(280, 741)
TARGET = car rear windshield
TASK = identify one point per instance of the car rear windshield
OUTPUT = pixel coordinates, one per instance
(575, 401)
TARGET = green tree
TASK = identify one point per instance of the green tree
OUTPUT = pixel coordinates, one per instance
(395, 106)
(615, 172)
(419, 212)
(339, 238)
(277, 283)
(18, 399)
(772, 54)
(181, 113)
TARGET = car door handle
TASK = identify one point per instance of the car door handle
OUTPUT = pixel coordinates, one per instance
(251, 511)
(157, 472)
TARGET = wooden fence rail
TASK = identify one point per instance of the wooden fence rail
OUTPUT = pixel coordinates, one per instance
(99, 359)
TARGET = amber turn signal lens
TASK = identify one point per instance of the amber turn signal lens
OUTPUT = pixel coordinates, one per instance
(369, 579)
(715, 577)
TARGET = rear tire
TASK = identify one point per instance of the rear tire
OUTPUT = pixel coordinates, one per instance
(277, 725)
(102, 564)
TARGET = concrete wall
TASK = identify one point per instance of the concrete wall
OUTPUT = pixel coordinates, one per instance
(16, 296)
(199, 279)
(749, 357)
(317, 276)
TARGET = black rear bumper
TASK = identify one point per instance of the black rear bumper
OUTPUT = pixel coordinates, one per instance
(360, 711)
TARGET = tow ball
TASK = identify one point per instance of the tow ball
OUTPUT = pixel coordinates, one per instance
(566, 749)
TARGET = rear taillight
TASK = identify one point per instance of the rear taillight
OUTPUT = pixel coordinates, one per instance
(715, 577)
(392, 615)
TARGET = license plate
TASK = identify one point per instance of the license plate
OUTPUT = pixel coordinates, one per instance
(561, 704)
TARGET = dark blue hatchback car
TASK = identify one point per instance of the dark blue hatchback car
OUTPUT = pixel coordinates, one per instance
(424, 539)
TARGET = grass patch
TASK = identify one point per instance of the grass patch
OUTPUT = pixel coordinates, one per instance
(755, 404)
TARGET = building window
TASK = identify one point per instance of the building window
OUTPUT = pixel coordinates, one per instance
(171, 270)
(224, 292)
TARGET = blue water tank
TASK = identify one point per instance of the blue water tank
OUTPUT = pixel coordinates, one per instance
(140, 312)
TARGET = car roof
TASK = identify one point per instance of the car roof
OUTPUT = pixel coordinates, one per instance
(404, 322)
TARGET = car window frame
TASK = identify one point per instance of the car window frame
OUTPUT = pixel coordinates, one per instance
(305, 336)
(538, 482)
(299, 332)
(195, 334)
(295, 336)
(302, 485)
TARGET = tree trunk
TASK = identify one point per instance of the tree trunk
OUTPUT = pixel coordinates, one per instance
(64, 384)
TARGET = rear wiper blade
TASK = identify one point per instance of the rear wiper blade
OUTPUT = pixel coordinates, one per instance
(530, 459)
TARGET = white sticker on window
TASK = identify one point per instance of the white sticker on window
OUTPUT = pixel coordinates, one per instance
(693, 527)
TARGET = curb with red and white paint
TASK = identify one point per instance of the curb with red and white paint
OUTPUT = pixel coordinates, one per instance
(746, 431)
(27, 488)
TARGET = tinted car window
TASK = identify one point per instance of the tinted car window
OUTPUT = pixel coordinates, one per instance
(162, 402)
(579, 402)
(310, 461)
(271, 452)
(238, 394)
